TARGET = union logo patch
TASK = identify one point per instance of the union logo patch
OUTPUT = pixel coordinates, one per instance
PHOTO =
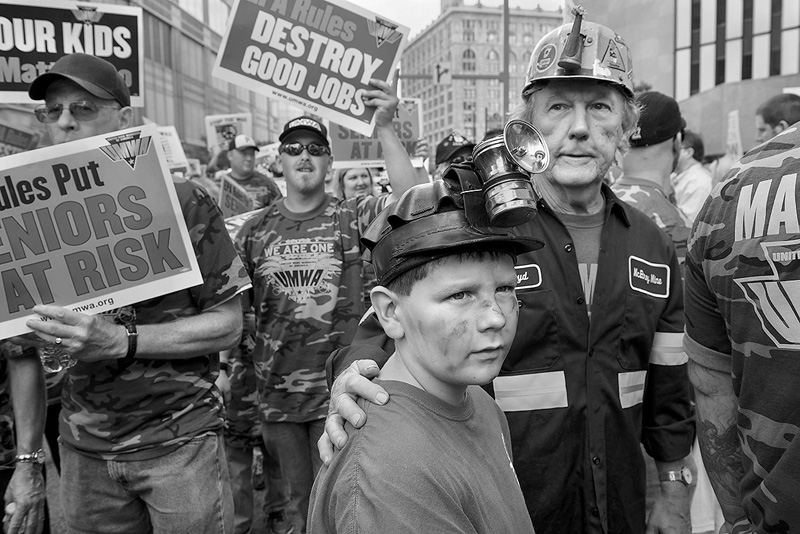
(649, 278)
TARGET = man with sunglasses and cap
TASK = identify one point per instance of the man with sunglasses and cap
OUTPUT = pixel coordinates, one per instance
(304, 256)
(141, 421)
(596, 367)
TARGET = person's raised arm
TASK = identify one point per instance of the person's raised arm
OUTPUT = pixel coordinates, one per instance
(26, 489)
(91, 338)
(402, 174)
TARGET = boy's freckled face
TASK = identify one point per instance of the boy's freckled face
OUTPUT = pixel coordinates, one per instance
(459, 323)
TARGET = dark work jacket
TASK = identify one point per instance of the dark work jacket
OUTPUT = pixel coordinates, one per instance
(580, 397)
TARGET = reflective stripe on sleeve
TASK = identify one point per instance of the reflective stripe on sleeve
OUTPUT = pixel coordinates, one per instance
(631, 388)
(538, 391)
(668, 349)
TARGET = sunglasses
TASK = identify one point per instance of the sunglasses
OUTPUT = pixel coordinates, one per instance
(460, 159)
(295, 149)
(81, 110)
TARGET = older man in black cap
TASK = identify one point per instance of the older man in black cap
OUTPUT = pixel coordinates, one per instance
(141, 421)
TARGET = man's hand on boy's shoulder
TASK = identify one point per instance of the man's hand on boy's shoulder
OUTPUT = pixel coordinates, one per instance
(355, 382)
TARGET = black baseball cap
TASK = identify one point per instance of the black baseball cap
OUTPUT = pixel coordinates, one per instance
(451, 145)
(660, 119)
(307, 124)
(92, 73)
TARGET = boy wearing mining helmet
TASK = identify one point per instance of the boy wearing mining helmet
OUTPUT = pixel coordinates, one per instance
(446, 296)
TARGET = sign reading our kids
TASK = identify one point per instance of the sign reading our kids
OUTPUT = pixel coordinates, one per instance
(318, 55)
(33, 35)
(92, 225)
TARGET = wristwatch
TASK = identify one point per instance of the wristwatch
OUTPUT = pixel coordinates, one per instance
(682, 475)
(33, 458)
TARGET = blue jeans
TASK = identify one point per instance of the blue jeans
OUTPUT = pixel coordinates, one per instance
(295, 445)
(185, 491)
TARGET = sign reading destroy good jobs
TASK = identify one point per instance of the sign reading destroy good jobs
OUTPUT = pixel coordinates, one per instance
(34, 35)
(318, 55)
(91, 225)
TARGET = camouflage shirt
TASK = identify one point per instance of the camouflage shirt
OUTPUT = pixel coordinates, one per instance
(649, 198)
(115, 409)
(307, 277)
(743, 318)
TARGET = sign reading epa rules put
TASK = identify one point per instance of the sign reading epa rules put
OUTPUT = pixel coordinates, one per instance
(90, 225)
(318, 55)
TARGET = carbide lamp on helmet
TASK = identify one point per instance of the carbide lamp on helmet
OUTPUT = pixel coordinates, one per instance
(429, 222)
(581, 50)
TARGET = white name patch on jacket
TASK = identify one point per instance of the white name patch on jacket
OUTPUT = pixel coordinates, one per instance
(649, 278)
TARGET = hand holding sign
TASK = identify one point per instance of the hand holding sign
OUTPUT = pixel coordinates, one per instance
(384, 99)
(87, 338)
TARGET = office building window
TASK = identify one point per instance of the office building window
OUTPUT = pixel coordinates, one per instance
(468, 60)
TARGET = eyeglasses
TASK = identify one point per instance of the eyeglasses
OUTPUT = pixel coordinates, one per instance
(461, 159)
(82, 110)
(295, 149)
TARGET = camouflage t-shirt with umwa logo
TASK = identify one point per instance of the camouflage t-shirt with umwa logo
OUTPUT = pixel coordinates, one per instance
(307, 277)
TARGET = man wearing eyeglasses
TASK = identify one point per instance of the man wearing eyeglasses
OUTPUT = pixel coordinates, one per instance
(304, 256)
(141, 422)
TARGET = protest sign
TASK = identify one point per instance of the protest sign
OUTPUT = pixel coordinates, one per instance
(90, 225)
(352, 149)
(33, 35)
(233, 198)
(316, 54)
(13, 140)
(173, 150)
(733, 144)
(220, 129)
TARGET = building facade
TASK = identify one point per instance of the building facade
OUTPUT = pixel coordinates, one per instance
(454, 66)
(181, 39)
(719, 58)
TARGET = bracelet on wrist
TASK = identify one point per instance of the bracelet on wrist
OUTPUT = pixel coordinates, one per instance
(36, 458)
(223, 366)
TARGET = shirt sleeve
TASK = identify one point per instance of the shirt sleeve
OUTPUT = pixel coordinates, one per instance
(370, 342)
(668, 426)
(223, 273)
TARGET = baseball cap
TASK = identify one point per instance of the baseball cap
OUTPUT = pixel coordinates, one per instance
(305, 123)
(241, 142)
(451, 144)
(429, 222)
(94, 74)
(660, 119)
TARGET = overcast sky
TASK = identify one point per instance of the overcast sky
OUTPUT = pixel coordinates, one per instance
(417, 14)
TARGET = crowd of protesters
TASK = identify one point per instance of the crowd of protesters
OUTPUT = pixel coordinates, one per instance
(338, 338)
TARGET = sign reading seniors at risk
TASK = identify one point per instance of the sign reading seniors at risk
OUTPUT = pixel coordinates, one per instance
(90, 225)
(318, 55)
(34, 34)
